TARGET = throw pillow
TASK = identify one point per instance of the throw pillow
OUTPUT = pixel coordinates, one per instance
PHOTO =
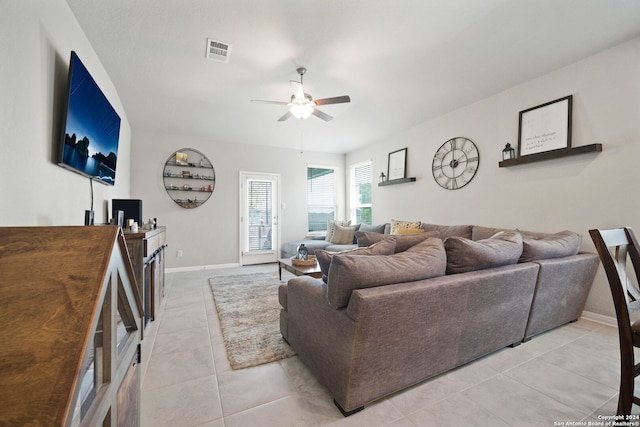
(348, 272)
(537, 246)
(342, 235)
(405, 231)
(378, 228)
(331, 227)
(449, 230)
(384, 247)
(467, 255)
(397, 225)
(403, 241)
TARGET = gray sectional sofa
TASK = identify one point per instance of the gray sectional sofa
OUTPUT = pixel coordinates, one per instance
(382, 320)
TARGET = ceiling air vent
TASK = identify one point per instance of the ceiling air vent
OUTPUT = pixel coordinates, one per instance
(218, 51)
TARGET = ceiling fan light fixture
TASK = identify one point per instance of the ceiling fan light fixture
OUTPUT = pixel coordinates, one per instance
(301, 110)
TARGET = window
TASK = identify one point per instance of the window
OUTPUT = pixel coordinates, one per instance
(321, 196)
(360, 181)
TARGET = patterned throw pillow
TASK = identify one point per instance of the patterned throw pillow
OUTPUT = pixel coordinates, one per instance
(398, 225)
(331, 227)
(342, 235)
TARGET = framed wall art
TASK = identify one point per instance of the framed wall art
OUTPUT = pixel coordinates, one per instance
(545, 127)
(397, 168)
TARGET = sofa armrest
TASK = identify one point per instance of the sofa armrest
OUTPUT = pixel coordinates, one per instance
(321, 335)
(561, 291)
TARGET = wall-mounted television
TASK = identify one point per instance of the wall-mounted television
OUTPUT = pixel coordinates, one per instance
(91, 127)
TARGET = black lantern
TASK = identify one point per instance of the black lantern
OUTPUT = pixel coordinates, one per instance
(508, 153)
(303, 252)
(383, 178)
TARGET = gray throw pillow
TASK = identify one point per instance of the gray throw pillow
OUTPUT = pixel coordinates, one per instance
(348, 272)
(467, 255)
(403, 241)
(537, 246)
(378, 228)
(385, 247)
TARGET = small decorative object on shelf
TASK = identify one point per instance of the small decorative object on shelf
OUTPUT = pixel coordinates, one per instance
(175, 176)
(508, 152)
(382, 178)
(303, 252)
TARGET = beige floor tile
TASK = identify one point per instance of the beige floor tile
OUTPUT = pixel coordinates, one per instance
(189, 403)
(247, 388)
(172, 368)
(458, 410)
(562, 385)
(520, 405)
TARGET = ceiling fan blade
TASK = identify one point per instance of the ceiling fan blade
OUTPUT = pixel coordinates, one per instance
(269, 102)
(323, 116)
(334, 100)
(298, 92)
(285, 117)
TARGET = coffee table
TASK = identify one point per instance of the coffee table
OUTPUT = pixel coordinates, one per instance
(298, 270)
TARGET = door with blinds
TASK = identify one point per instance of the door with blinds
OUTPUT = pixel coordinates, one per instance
(259, 234)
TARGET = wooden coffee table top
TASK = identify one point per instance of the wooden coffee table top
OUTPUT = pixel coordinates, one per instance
(298, 270)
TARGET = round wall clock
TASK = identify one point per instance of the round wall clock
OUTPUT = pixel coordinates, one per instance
(455, 163)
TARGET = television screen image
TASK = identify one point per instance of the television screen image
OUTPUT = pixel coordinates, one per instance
(91, 126)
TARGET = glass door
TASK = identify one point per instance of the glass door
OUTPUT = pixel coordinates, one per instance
(259, 218)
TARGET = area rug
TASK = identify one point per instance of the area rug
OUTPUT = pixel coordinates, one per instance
(249, 314)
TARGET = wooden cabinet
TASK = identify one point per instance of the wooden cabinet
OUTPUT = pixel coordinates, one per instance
(71, 328)
(146, 249)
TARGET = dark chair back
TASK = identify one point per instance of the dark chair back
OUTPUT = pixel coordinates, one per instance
(614, 248)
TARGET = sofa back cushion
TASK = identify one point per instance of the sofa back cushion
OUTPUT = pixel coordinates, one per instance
(467, 255)
(348, 272)
(403, 241)
(537, 246)
(449, 230)
(383, 247)
(480, 232)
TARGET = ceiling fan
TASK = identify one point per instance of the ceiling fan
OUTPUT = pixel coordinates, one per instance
(302, 105)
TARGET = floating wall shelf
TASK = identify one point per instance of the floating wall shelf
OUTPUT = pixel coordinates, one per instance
(553, 154)
(396, 181)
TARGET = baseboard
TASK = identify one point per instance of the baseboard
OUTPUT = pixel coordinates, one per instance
(201, 267)
(600, 318)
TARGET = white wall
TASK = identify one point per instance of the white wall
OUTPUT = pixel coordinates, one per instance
(576, 193)
(209, 235)
(36, 38)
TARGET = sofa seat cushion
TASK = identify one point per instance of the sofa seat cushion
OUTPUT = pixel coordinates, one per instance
(449, 230)
(348, 272)
(537, 246)
(403, 241)
(467, 255)
(383, 247)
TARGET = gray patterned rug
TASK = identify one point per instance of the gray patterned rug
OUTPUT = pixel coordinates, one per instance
(249, 314)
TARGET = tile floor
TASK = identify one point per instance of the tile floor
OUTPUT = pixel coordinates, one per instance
(569, 375)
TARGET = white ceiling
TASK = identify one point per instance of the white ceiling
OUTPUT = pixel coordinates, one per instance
(401, 61)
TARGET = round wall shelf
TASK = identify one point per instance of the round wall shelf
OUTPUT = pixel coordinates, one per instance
(189, 178)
